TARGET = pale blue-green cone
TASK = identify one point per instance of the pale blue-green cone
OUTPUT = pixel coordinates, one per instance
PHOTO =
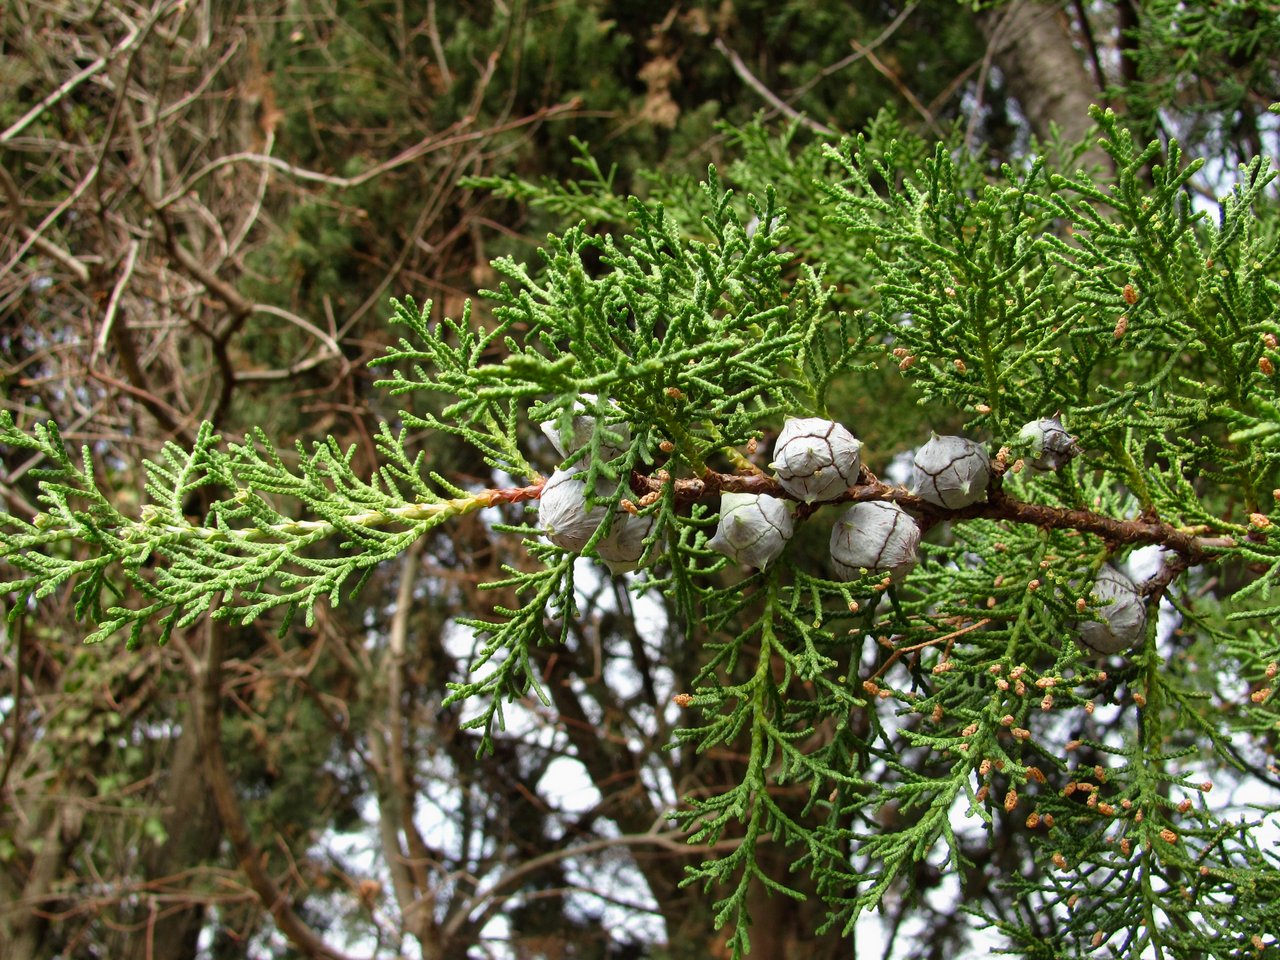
(1123, 615)
(1049, 445)
(874, 537)
(816, 460)
(623, 546)
(951, 472)
(583, 425)
(753, 529)
(563, 516)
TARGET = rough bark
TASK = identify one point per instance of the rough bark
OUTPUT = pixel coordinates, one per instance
(207, 674)
(193, 836)
(24, 924)
(780, 926)
(1031, 44)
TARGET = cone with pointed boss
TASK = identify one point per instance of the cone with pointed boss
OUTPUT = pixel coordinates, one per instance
(951, 472)
(753, 529)
(816, 460)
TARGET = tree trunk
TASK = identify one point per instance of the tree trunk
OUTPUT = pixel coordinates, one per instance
(194, 835)
(1031, 44)
(24, 923)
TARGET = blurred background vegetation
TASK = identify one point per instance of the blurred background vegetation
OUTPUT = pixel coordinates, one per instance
(205, 208)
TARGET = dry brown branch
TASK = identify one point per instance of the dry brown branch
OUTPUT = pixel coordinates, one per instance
(771, 98)
(208, 684)
(50, 249)
(64, 88)
(861, 51)
(902, 88)
(1193, 546)
(422, 148)
(947, 639)
(113, 302)
(397, 804)
(34, 235)
(484, 903)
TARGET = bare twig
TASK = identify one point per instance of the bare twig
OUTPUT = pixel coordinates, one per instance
(236, 303)
(35, 234)
(255, 210)
(108, 318)
(426, 145)
(70, 84)
(1090, 43)
(168, 417)
(396, 814)
(946, 638)
(751, 80)
(902, 88)
(433, 34)
(208, 682)
(487, 900)
(40, 242)
(17, 710)
(997, 40)
(301, 323)
(857, 54)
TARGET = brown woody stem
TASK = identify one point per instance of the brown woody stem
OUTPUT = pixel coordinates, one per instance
(1191, 548)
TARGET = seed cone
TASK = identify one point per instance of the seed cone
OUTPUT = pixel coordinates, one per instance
(1124, 617)
(562, 512)
(1050, 446)
(951, 472)
(753, 529)
(579, 435)
(874, 536)
(623, 546)
(816, 459)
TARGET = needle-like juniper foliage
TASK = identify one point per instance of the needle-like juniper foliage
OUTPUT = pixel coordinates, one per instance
(1107, 319)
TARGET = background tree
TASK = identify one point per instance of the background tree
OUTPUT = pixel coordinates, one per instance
(208, 206)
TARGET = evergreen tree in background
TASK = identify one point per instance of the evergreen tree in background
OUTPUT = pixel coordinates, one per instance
(864, 538)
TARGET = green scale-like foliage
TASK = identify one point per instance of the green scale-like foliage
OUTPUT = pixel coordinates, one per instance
(918, 721)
